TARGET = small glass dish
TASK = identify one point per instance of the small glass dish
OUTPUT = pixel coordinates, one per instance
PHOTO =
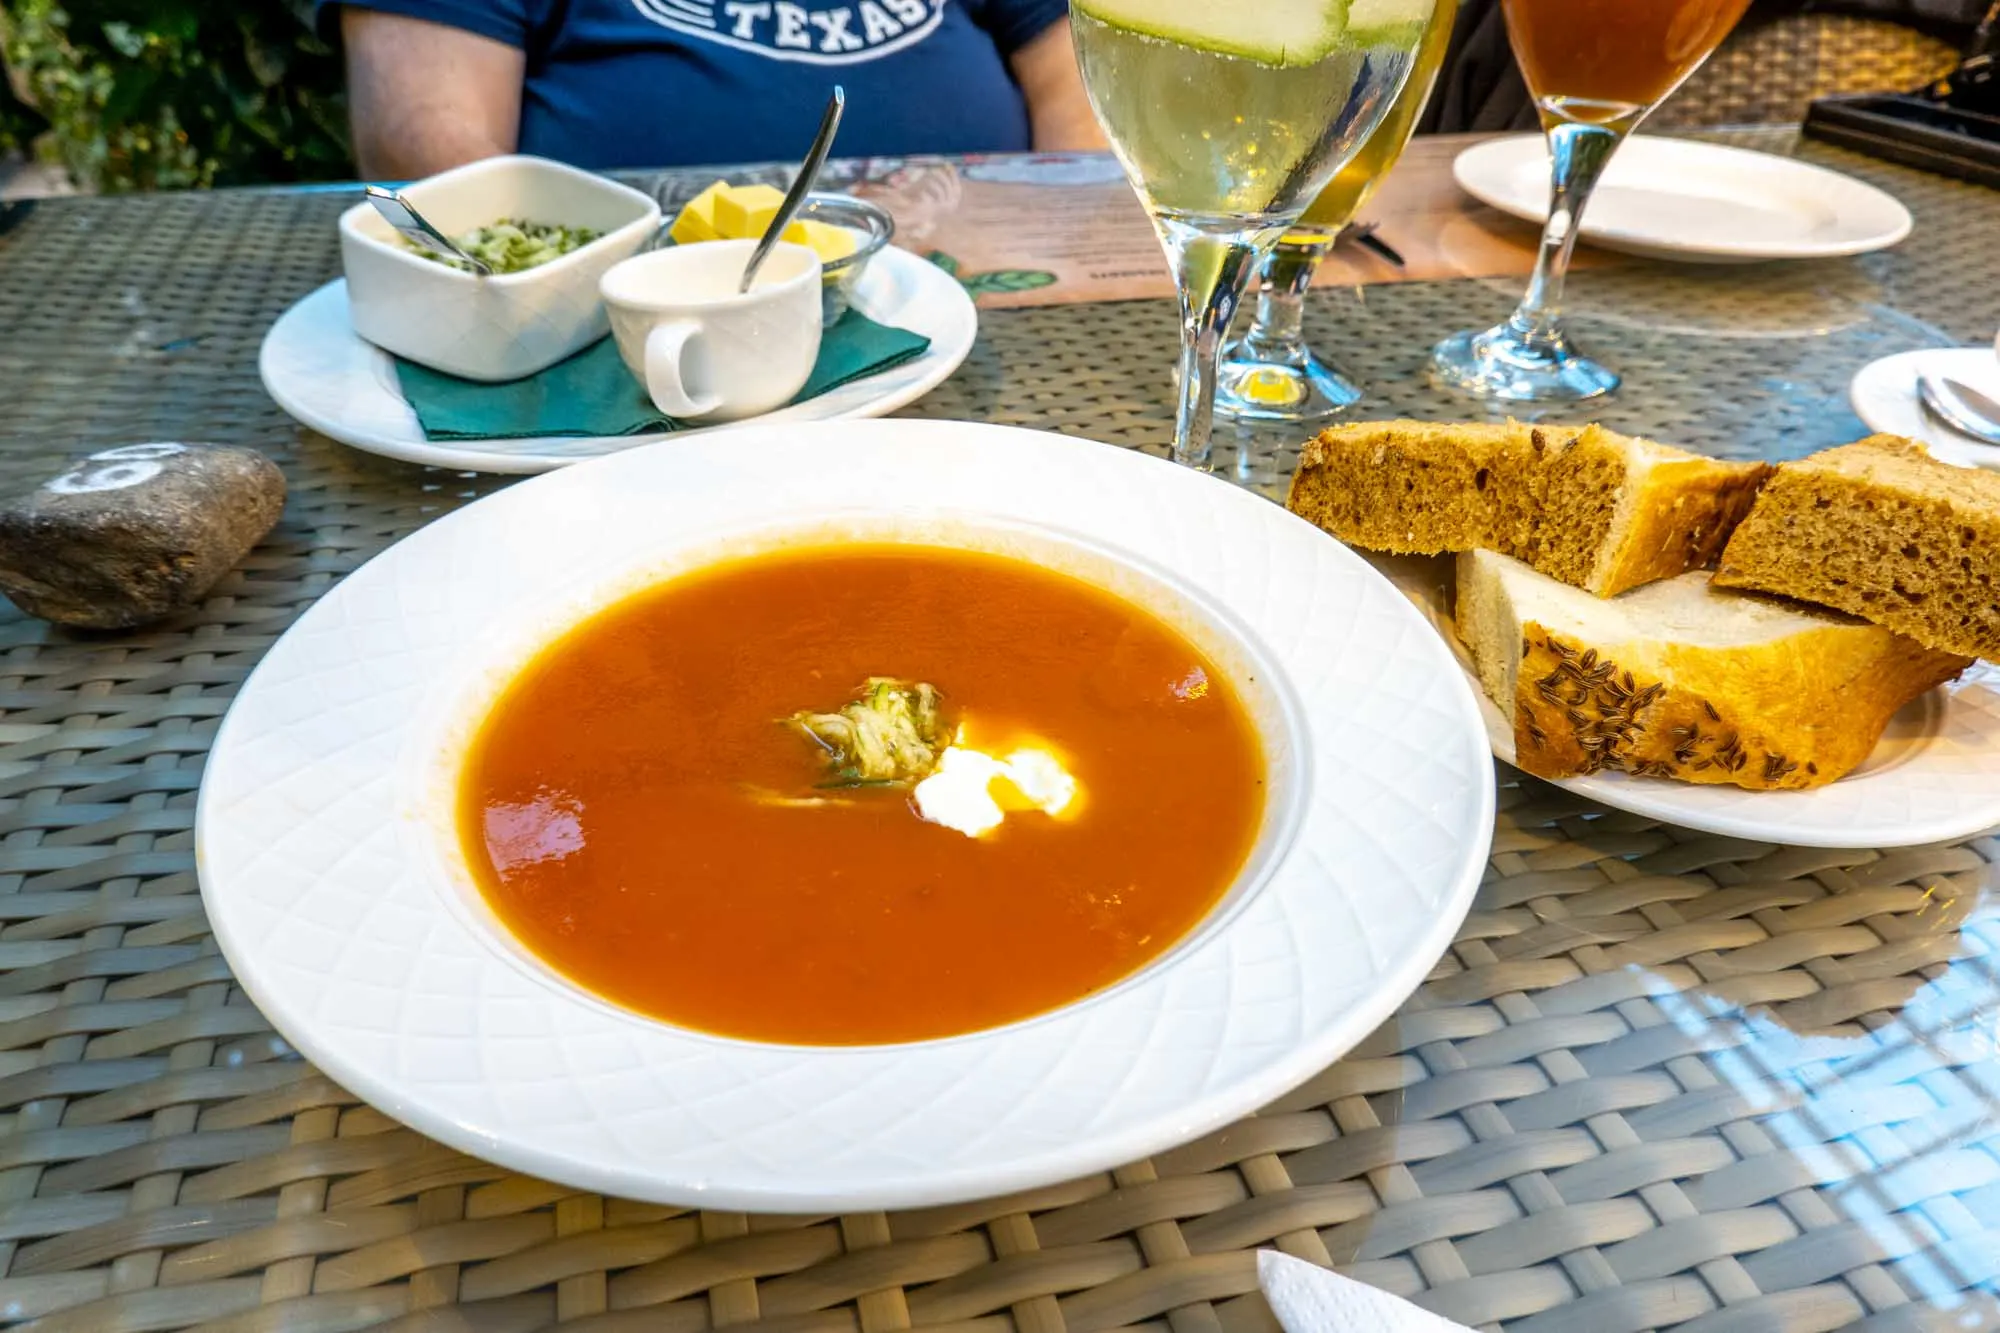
(873, 229)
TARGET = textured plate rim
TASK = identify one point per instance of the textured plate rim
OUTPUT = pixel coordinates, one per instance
(1456, 863)
(1789, 818)
(1477, 168)
(957, 333)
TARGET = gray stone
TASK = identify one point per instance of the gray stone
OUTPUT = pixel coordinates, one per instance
(135, 533)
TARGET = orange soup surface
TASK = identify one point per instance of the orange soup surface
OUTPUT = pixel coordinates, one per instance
(639, 813)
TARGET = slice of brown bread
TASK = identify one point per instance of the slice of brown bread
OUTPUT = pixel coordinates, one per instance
(1681, 679)
(1602, 511)
(1883, 531)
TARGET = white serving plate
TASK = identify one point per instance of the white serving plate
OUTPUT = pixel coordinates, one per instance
(1678, 199)
(336, 888)
(1884, 396)
(1934, 777)
(327, 378)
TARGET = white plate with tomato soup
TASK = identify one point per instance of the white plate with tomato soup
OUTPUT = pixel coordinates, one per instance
(844, 816)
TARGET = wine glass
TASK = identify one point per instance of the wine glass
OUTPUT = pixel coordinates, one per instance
(1228, 120)
(1595, 68)
(1270, 374)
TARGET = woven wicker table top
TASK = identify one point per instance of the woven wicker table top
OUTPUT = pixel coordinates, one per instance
(1662, 1079)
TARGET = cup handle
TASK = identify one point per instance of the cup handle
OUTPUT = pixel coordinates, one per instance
(666, 371)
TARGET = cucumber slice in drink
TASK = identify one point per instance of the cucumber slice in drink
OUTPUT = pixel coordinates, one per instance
(1274, 32)
(1389, 22)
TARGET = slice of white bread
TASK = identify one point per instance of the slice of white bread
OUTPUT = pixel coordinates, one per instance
(1880, 530)
(1680, 679)
(1603, 511)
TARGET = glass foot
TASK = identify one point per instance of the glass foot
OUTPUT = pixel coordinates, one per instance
(1503, 363)
(1290, 386)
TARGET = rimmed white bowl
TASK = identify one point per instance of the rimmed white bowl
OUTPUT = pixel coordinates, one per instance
(332, 876)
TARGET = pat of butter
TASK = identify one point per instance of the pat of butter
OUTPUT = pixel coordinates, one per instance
(827, 241)
(697, 221)
(725, 212)
(743, 211)
(959, 793)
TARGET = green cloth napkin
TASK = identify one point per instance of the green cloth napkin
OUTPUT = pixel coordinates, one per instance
(592, 393)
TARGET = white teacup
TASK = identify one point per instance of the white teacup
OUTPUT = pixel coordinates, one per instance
(702, 349)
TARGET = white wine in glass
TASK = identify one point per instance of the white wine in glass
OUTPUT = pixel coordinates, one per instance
(1230, 119)
(1270, 374)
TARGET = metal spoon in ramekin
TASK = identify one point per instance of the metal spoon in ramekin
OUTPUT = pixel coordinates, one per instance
(418, 230)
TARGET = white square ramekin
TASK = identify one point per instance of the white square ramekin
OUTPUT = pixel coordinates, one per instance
(509, 325)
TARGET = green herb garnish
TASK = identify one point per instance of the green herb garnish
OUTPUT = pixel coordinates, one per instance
(891, 736)
(514, 245)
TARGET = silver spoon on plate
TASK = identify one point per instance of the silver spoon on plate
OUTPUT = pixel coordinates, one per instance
(1966, 410)
(822, 145)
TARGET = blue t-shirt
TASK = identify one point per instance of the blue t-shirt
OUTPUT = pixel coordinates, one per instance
(657, 83)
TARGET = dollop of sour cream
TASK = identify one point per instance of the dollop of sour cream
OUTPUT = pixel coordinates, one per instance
(961, 791)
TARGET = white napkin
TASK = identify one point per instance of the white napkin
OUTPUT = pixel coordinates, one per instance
(1310, 1299)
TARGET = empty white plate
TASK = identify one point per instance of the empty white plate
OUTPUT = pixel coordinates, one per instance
(1884, 395)
(1934, 776)
(1677, 199)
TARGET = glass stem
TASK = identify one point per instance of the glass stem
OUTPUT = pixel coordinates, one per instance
(1580, 153)
(1281, 299)
(1211, 270)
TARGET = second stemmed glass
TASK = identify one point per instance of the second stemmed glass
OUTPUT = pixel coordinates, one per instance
(1228, 120)
(1270, 374)
(1595, 69)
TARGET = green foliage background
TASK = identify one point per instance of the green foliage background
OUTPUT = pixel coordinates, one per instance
(169, 94)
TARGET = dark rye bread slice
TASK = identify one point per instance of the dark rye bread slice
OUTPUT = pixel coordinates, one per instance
(1602, 511)
(1880, 530)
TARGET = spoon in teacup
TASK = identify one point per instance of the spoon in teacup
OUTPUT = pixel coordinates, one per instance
(802, 184)
(418, 230)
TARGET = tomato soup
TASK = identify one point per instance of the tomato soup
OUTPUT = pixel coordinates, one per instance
(647, 813)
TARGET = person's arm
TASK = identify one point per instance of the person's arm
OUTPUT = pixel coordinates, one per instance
(424, 96)
(1058, 109)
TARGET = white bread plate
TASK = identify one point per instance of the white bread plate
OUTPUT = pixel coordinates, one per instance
(1934, 777)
